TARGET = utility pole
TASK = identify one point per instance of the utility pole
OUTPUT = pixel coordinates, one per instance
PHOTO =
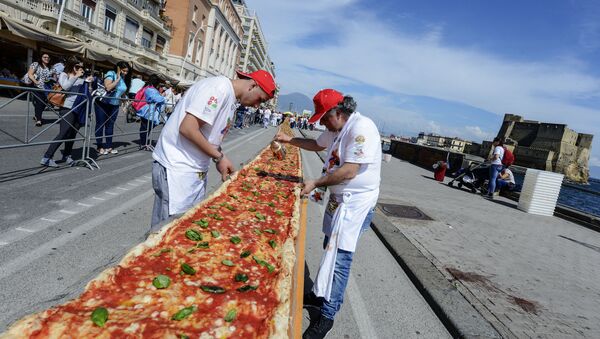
(60, 15)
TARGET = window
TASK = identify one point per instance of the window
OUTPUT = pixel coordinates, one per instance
(190, 48)
(199, 52)
(131, 28)
(110, 16)
(194, 14)
(87, 9)
(147, 38)
(160, 44)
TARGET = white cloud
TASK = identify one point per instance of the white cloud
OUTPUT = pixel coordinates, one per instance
(366, 51)
(477, 132)
(594, 161)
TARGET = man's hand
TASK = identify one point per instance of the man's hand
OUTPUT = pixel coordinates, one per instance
(309, 185)
(225, 167)
(282, 137)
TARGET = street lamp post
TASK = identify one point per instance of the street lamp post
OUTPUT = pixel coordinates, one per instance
(187, 50)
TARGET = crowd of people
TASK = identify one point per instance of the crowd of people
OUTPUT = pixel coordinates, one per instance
(60, 86)
(247, 116)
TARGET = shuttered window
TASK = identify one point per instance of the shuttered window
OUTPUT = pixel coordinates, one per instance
(131, 28)
(147, 38)
(110, 16)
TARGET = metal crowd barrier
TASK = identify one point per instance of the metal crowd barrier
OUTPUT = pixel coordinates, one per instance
(85, 133)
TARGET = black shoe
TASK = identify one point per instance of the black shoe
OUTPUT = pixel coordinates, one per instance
(311, 300)
(318, 329)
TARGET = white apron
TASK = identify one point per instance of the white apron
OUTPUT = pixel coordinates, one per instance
(344, 229)
(186, 189)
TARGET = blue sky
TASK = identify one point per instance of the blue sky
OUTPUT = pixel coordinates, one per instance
(450, 67)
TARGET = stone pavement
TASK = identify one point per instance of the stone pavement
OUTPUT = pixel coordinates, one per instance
(528, 275)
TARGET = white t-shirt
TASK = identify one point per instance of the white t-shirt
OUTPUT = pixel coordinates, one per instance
(500, 151)
(136, 85)
(511, 177)
(211, 100)
(361, 145)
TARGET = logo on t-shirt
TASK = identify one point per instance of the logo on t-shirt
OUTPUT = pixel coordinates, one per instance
(212, 102)
(226, 129)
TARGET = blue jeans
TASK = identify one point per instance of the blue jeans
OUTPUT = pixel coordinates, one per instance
(341, 274)
(494, 171)
(106, 115)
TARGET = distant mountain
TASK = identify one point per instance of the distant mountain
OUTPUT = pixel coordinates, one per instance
(297, 100)
(595, 172)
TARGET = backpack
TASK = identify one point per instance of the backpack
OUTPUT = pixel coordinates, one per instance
(140, 95)
(508, 159)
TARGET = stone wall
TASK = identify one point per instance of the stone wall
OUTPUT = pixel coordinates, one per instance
(425, 156)
(533, 158)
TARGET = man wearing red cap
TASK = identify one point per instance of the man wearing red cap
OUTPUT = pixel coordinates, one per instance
(351, 173)
(192, 138)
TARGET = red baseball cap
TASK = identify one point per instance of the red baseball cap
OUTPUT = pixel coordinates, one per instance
(263, 78)
(325, 100)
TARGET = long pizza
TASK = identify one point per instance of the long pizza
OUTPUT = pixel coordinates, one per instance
(223, 270)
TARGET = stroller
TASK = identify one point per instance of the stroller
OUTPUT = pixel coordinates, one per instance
(472, 177)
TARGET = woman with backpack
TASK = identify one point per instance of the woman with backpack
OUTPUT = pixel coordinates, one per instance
(116, 84)
(148, 111)
(38, 75)
(71, 80)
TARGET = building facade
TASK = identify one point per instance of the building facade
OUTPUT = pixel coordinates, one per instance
(547, 146)
(254, 54)
(206, 39)
(99, 30)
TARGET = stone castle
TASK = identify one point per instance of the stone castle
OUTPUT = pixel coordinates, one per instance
(546, 146)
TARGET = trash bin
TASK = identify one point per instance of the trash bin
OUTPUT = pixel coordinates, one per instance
(439, 170)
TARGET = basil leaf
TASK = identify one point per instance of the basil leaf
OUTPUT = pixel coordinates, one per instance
(234, 196)
(202, 244)
(279, 213)
(272, 243)
(247, 288)
(250, 198)
(257, 231)
(202, 223)
(187, 269)
(227, 263)
(271, 204)
(215, 234)
(241, 277)
(230, 316)
(183, 313)
(100, 316)
(161, 281)
(263, 263)
(183, 336)
(270, 230)
(193, 235)
(235, 240)
(164, 250)
(256, 193)
(245, 254)
(259, 216)
(212, 289)
(252, 209)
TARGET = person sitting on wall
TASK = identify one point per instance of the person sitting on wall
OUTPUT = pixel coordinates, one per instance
(506, 181)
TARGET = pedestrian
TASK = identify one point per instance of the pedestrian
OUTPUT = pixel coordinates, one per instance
(136, 84)
(506, 180)
(71, 80)
(266, 117)
(239, 117)
(149, 113)
(192, 137)
(352, 173)
(116, 83)
(495, 166)
(40, 73)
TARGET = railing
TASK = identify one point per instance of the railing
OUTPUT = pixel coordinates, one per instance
(95, 119)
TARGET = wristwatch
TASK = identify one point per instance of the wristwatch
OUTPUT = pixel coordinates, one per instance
(216, 160)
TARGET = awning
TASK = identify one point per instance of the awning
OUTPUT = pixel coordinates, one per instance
(33, 32)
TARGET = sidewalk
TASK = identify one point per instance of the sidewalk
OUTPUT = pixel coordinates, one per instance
(528, 275)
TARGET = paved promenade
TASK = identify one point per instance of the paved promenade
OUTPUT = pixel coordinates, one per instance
(530, 276)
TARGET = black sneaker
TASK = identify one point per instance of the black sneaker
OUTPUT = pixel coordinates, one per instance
(311, 300)
(318, 329)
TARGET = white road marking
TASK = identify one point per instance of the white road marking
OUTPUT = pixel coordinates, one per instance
(50, 220)
(122, 188)
(96, 198)
(67, 212)
(24, 229)
(147, 177)
(18, 263)
(84, 205)
(3, 243)
(111, 193)
(141, 181)
(132, 185)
